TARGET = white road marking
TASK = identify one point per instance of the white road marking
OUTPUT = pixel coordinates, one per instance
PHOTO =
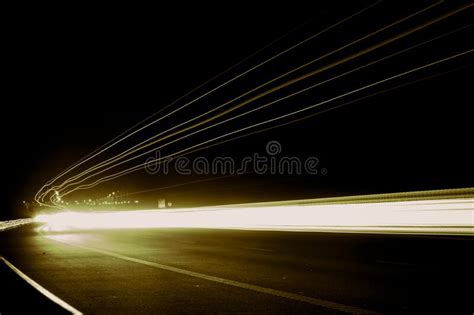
(41, 289)
(278, 293)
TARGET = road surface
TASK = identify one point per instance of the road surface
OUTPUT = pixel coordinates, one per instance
(168, 270)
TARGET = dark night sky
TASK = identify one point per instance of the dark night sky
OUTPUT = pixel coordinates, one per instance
(80, 78)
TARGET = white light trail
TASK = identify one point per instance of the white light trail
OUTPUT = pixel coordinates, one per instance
(40, 194)
(283, 85)
(141, 166)
(425, 216)
(114, 165)
(362, 52)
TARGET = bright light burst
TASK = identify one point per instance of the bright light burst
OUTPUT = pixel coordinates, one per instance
(445, 216)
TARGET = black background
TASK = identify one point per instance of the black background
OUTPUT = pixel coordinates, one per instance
(78, 77)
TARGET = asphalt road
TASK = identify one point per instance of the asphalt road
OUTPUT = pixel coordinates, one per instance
(222, 271)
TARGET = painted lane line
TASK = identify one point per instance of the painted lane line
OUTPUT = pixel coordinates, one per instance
(41, 289)
(287, 295)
